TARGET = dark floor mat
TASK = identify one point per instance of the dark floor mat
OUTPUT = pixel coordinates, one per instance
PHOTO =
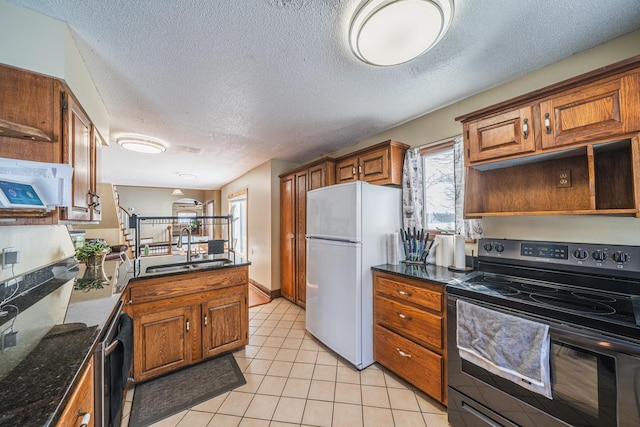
(180, 390)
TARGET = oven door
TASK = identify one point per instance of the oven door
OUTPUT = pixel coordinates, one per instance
(595, 381)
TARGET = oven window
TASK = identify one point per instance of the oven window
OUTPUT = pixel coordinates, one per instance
(576, 377)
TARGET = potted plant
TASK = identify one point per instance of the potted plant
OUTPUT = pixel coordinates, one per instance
(93, 253)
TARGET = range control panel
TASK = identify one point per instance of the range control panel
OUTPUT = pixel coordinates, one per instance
(592, 255)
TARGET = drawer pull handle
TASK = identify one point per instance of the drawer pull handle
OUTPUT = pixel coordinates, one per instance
(86, 418)
(403, 316)
(405, 293)
(547, 123)
(205, 320)
(187, 325)
(403, 354)
(525, 128)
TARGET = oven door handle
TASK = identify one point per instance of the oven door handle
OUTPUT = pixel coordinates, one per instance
(596, 341)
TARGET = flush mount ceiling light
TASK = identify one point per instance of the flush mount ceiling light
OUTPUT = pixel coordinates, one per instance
(141, 144)
(187, 175)
(177, 192)
(391, 32)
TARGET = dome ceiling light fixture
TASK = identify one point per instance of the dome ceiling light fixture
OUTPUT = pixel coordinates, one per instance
(141, 144)
(392, 32)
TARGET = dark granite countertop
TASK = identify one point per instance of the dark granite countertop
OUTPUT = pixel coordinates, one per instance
(428, 272)
(58, 312)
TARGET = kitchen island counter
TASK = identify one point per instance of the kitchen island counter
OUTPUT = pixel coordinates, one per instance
(59, 313)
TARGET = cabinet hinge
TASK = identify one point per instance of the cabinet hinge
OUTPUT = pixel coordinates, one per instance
(63, 103)
(467, 134)
(468, 153)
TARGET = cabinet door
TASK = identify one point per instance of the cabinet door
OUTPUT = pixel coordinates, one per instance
(33, 101)
(163, 341)
(287, 236)
(223, 325)
(317, 176)
(506, 134)
(347, 170)
(595, 111)
(374, 166)
(78, 154)
(81, 402)
(301, 242)
(96, 150)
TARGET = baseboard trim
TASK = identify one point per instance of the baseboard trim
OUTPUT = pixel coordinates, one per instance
(264, 290)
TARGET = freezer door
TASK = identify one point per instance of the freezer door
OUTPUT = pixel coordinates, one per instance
(334, 212)
(333, 306)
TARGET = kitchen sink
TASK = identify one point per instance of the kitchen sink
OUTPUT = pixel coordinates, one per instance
(187, 266)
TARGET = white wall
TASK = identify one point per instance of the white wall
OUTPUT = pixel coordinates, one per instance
(263, 189)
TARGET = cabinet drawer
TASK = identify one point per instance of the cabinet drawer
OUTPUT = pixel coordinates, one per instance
(409, 321)
(414, 294)
(81, 401)
(416, 364)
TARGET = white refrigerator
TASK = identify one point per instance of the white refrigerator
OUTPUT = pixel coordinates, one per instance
(347, 225)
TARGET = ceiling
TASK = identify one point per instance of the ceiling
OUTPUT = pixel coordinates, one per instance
(229, 85)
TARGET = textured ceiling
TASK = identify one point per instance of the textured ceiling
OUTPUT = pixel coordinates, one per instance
(231, 84)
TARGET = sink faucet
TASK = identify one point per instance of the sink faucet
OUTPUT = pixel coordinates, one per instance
(188, 230)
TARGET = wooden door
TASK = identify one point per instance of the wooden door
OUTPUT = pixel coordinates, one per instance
(77, 128)
(163, 341)
(347, 170)
(287, 237)
(592, 112)
(506, 134)
(301, 242)
(374, 166)
(223, 324)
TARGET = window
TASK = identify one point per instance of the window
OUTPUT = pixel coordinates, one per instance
(238, 212)
(439, 187)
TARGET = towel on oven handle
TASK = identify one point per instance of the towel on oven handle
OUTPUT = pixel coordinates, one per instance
(508, 346)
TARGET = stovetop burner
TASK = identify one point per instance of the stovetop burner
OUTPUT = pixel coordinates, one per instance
(596, 286)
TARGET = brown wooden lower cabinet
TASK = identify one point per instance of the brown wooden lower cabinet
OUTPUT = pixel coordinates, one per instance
(81, 401)
(410, 331)
(181, 320)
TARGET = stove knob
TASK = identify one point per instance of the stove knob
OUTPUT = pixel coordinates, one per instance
(619, 256)
(499, 247)
(487, 247)
(599, 255)
(580, 254)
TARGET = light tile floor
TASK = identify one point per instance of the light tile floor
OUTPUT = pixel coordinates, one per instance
(294, 380)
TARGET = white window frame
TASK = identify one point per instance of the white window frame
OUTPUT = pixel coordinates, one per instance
(426, 152)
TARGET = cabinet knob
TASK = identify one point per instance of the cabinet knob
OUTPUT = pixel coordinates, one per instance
(403, 354)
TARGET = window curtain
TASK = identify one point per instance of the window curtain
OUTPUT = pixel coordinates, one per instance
(412, 189)
(470, 228)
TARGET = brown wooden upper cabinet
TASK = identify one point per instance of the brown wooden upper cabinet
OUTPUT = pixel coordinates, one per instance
(40, 120)
(379, 164)
(570, 148)
(592, 107)
(501, 135)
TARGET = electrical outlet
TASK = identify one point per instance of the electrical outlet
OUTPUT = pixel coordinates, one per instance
(9, 257)
(563, 178)
(9, 339)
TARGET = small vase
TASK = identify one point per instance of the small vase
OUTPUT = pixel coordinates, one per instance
(96, 261)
